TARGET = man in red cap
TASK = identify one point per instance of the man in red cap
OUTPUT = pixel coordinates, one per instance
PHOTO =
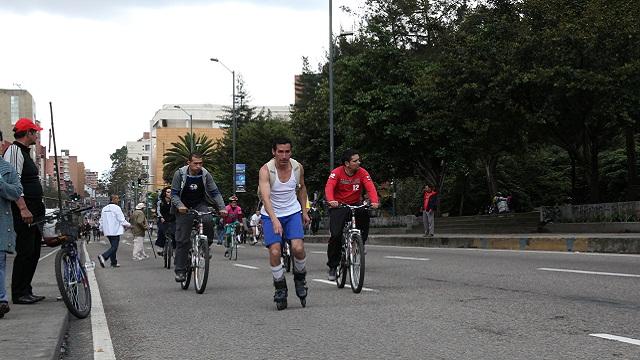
(27, 208)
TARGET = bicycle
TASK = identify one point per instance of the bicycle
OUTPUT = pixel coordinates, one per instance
(352, 255)
(71, 275)
(198, 254)
(285, 254)
(231, 242)
(167, 250)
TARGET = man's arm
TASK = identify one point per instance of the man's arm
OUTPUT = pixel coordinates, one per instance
(175, 190)
(214, 192)
(371, 190)
(265, 191)
(329, 188)
(302, 197)
(10, 186)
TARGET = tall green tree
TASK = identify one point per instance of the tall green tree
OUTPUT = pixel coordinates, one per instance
(177, 156)
(123, 174)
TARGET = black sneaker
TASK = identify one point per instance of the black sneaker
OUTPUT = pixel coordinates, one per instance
(101, 260)
(181, 277)
(332, 274)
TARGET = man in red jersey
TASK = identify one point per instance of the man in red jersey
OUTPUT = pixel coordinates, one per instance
(345, 186)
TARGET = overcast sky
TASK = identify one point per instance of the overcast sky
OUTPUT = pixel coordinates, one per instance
(107, 66)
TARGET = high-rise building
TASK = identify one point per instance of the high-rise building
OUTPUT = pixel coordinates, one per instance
(16, 104)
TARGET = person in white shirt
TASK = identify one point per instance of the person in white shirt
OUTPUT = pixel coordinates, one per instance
(253, 224)
(112, 223)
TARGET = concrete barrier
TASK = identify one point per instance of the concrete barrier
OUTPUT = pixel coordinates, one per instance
(605, 243)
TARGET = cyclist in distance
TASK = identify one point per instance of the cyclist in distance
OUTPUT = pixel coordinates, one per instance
(233, 217)
(192, 188)
(345, 185)
(284, 195)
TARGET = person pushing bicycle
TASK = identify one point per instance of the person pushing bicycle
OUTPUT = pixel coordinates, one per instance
(192, 188)
(284, 195)
(345, 186)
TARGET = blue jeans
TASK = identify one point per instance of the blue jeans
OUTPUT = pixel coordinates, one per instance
(3, 272)
(111, 253)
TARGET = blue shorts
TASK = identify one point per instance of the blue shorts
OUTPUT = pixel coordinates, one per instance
(291, 227)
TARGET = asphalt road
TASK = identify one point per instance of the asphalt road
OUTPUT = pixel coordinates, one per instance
(420, 303)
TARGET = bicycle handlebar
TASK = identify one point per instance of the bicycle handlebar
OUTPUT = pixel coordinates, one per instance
(198, 213)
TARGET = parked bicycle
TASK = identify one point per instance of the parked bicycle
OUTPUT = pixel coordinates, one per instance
(199, 258)
(71, 275)
(352, 256)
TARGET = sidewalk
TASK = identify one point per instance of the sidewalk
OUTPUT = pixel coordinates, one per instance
(35, 331)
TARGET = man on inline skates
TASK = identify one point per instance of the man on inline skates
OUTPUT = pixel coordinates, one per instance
(283, 193)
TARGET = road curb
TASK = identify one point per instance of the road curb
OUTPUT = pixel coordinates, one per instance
(602, 243)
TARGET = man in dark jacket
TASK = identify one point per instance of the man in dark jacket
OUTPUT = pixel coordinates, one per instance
(26, 209)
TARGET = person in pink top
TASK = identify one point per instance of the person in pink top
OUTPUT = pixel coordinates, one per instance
(233, 217)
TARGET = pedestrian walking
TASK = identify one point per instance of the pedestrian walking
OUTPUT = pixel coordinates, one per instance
(112, 223)
(139, 228)
(429, 206)
(10, 190)
(26, 210)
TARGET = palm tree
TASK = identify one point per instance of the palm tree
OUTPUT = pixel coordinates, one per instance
(177, 156)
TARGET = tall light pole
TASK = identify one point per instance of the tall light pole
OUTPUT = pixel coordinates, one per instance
(331, 47)
(233, 117)
(190, 126)
(331, 149)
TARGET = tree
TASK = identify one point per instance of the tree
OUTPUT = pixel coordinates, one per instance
(123, 173)
(177, 156)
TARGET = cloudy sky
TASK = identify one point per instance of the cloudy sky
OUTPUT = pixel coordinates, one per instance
(107, 65)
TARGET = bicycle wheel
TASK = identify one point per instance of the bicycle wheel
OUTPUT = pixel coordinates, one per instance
(167, 252)
(231, 249)
(201, 269)
(356, 262)
(235, 250)
(341, 271)
(73, 283)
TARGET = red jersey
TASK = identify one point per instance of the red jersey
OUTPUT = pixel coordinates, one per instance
(348, 189)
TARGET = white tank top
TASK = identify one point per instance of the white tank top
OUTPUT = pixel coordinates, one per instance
(283, 197)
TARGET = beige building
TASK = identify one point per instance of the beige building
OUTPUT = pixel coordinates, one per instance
(172, 121)
(16, 104)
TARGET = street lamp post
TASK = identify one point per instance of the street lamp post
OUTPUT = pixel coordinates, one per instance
(233, 117)
(190, 126)
(331, 47)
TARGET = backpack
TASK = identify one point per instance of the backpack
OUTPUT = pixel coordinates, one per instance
(273, 173)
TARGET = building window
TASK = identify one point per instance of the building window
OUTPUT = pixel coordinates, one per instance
(145, 158)
(15, 109)
(146, 148)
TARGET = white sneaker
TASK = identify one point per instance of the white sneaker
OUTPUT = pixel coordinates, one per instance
(137, 258)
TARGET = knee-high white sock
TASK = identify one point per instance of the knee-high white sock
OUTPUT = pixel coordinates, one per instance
(300, 264)
(277, 272)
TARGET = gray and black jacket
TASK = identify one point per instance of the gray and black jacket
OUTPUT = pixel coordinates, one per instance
(212, 195)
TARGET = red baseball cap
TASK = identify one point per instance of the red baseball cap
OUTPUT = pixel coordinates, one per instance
(25, 124)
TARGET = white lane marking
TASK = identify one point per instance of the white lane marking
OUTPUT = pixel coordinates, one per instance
(318, 252)
(617, 338)
(102, 345)
(406, 258)
(590, 272)
(49, 254)
(246, 266)
(347, 284)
